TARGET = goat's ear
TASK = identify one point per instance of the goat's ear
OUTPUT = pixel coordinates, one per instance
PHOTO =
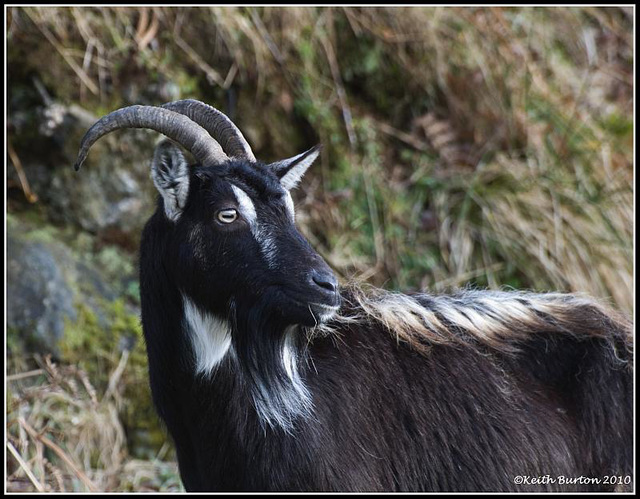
(170, 174)
(290, 171)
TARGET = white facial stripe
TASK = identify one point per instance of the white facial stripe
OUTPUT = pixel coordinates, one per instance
(247, 209)
(210, 336)
(260, 231)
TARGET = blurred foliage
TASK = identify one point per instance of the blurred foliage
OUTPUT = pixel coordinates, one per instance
(462, 146)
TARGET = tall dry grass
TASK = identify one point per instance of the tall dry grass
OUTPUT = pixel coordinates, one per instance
(65, 436)
(482, 145)
(463, 146)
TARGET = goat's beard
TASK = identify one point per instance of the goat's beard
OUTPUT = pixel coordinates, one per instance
(269, 352)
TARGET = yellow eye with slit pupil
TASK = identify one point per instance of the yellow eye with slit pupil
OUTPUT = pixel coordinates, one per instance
(227, 216)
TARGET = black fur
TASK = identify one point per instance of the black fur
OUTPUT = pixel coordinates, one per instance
(384, 417)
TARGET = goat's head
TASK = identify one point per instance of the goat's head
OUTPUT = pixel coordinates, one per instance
(232, 239)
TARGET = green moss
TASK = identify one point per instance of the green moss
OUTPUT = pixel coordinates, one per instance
(617, 125)
(114, 262)
(95, 342)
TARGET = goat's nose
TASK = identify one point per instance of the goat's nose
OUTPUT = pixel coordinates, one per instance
(325, 280)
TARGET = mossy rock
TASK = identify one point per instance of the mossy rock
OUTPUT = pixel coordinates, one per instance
(49, 271)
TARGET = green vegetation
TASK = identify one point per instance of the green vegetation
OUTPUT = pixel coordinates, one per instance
(97, 346)
(487, 147)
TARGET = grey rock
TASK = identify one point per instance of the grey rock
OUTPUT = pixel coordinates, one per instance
(46, 281)
(112, 191)
(39, 297)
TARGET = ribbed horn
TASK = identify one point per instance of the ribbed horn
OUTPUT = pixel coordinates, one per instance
(217, 124)
(176, 126)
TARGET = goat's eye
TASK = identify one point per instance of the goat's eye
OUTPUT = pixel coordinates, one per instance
(227, 216)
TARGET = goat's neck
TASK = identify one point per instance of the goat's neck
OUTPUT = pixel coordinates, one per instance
(260, 351)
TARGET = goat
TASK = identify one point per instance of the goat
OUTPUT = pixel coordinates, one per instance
(270, 377)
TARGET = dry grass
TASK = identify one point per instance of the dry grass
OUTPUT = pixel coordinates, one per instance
(491, 145)
(63, 436)
(463, 146)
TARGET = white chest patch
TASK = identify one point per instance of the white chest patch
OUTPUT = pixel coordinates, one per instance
(210, 337)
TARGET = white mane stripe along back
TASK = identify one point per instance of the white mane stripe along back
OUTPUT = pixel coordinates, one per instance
(499, 319)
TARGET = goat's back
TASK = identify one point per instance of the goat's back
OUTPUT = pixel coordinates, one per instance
(546, 396)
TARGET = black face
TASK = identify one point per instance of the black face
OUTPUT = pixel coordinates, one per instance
(238, 246)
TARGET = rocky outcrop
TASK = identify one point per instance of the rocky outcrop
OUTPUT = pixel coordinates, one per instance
(112, 193)
(39, 295)
(47, 282)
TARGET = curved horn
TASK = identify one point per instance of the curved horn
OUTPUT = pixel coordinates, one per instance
(176, 126)
(217, 124)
